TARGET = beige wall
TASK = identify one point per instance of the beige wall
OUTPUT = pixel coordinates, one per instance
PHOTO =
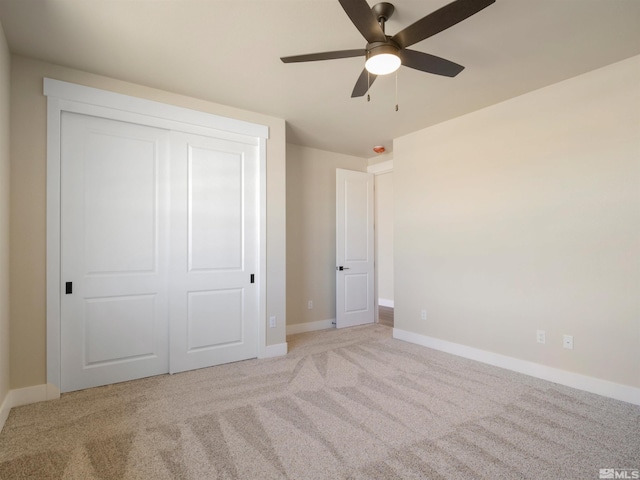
(380, 158)
(28, 201)
(311, 231)
(526, 215)
(5, 75)
(384, 235)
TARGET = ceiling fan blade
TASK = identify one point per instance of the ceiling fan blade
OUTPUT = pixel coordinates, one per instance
(361, 86)
(429, 63)
(439, 20)
(364, 19)
(312, 57)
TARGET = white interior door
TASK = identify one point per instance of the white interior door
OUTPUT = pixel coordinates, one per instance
(159, 249)
(215, 245)
(114, 258)
(354, 248)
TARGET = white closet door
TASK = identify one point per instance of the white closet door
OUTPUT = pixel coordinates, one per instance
(114, 257)
(214, 237)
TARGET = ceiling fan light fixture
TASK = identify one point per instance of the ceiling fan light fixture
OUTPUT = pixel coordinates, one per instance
(384, 53)
(382, 60)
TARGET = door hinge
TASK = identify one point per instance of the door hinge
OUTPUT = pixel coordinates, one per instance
(253, 278)
(68, 288)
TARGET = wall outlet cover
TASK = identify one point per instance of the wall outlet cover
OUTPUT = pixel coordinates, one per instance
(567, 341)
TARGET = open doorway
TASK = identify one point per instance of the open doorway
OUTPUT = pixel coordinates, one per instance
(383, 198)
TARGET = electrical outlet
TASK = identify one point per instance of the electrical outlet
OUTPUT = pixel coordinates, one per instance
(272, 321)
(423, 314)
(310, 305)
(540, 336)
(567, 341)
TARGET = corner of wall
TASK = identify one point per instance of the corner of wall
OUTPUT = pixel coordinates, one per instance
(5, 93)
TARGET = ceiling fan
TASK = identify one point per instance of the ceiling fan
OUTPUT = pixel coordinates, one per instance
(386, 53)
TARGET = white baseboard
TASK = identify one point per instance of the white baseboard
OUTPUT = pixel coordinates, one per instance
(5, 408)
(26, 396)
(37, 393)
(310, 326)
(277, 350)
(385, 302)
(605, 388)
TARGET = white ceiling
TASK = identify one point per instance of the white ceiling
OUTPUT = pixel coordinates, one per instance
(228, 52)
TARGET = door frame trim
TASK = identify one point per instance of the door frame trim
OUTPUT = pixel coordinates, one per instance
(69, 97)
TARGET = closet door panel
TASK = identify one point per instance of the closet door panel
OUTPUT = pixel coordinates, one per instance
(114, 255)
(214, 302)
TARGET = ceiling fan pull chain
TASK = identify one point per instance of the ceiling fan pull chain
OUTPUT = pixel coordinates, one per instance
(368, 86)
(396, 90)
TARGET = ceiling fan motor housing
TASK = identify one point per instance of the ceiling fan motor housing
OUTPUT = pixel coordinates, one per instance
(377, 48)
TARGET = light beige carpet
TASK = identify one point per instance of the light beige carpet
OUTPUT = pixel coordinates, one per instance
(353, 403)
